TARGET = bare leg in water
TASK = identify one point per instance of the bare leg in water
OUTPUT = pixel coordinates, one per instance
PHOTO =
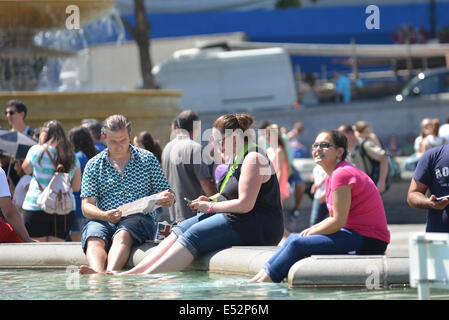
(155, 254)
(168, 256)
(97, 256)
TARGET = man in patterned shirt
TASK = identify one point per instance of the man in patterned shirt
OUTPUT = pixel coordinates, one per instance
(118, 175)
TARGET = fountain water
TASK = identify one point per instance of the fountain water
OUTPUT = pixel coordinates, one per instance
(30, 40)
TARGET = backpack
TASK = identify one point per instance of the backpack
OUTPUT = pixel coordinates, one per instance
(56, 198)
(393, 169)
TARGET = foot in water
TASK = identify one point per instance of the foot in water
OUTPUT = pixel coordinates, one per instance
(86, 270)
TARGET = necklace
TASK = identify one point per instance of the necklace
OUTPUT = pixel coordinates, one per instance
(120, 165)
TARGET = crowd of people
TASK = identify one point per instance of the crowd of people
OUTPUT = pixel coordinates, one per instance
(231, 192)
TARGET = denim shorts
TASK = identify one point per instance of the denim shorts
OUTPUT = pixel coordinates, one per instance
(204, 233)
(141, 227)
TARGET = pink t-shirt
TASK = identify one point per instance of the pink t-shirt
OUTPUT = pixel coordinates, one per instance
(366, 213)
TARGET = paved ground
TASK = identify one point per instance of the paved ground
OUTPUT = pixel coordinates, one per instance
(399, 238)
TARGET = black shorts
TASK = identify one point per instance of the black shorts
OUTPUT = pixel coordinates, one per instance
(41, 224)
(373, 246)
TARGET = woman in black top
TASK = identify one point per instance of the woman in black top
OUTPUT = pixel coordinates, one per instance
(246, 211)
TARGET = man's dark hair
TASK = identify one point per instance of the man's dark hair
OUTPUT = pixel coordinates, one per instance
(94, 126)
(19, 105)
(347, 128)
(185, 120)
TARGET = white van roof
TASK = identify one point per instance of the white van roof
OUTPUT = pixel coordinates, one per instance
(196, 53)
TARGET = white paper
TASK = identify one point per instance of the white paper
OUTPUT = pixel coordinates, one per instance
(145, 204)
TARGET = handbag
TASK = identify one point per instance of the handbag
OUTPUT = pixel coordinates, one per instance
(56, 197)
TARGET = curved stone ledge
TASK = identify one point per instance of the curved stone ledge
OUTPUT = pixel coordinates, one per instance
(41, 255)
(349, 270)
(334, 270)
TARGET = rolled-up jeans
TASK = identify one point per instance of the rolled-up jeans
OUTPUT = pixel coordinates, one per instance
(296, 248)
(204, 233)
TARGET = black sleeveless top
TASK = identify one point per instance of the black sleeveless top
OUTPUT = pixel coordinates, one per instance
(264, 224)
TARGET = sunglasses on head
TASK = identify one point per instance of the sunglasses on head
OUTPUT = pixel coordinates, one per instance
(322, 145)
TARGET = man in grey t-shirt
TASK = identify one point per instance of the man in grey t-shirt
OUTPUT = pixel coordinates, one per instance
(182, 162)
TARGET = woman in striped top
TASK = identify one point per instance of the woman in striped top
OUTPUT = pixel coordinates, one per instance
(42, 226)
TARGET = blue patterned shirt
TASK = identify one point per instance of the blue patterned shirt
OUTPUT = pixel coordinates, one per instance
(143, 176)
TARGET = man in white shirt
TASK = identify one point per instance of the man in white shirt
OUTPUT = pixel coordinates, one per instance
(14, 230)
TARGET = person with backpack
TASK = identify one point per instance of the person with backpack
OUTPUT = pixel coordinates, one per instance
(367, 155)
(49, 205)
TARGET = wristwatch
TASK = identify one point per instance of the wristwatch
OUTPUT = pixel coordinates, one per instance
(211, 207)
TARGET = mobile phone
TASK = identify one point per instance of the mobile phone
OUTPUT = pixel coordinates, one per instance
(443, 197)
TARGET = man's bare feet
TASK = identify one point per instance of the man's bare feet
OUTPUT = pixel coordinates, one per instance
(86, 270)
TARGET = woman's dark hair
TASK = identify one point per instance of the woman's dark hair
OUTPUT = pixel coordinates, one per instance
(55, 133)
(340, 141)
(236, 121)
(146, 139)
(82, 141)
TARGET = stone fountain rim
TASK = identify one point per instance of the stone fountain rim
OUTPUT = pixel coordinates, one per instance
(159, 92)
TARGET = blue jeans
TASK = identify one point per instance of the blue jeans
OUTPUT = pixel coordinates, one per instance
(204, 233)
(296, 248)
(319, 212)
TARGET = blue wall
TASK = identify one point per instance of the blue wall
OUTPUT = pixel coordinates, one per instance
(307, 25)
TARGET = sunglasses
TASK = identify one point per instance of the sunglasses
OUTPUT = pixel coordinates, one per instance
(322, 145)
(9, 112)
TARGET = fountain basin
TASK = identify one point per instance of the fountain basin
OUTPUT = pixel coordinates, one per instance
(25, 15)
(151, 110)
(315, 271)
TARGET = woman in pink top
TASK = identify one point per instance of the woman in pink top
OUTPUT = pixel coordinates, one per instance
(356, 221)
